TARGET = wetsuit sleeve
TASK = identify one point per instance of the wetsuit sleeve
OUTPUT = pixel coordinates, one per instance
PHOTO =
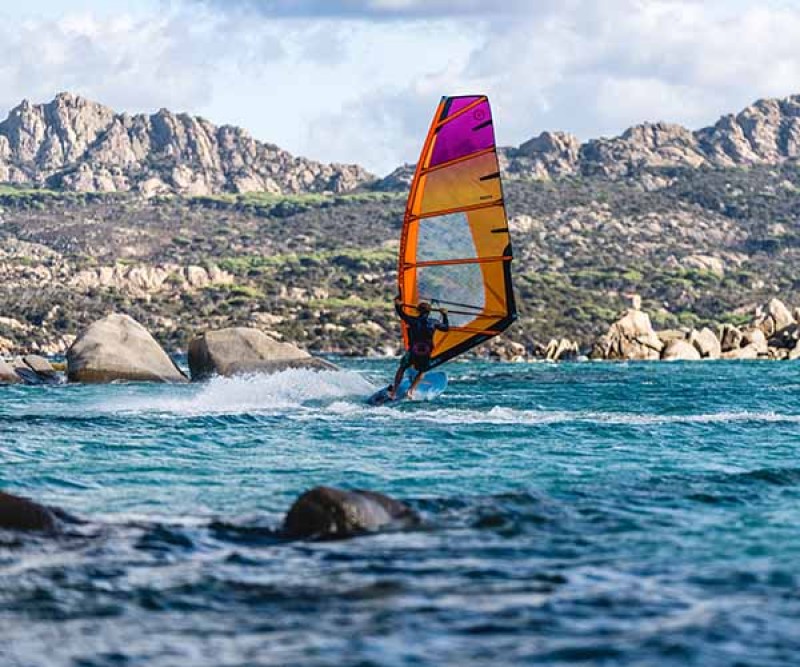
(406, 318)
(444, 325)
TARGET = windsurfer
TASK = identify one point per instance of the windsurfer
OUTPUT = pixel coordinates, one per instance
(420, 342)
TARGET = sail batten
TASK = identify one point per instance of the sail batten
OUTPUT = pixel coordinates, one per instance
(464, 158)
(455, 247)
(446, 211)
(467, 260)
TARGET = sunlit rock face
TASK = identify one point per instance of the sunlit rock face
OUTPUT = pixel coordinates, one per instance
(76, 144)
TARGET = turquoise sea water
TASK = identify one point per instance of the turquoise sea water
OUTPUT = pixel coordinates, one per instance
(575, 514)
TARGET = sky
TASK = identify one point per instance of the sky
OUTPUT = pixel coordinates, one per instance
(356, 81)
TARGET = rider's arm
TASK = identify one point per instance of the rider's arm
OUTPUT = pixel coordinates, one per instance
(398, 306)
(444, 325)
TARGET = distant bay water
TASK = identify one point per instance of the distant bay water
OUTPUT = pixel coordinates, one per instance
(574, 514)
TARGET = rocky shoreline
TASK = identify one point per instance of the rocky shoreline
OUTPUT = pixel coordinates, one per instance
(772, 333)
(117, 348)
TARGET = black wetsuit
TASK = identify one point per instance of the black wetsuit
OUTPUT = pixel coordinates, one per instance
(420, 334)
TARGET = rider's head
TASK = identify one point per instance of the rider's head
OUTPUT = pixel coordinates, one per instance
(424, 308)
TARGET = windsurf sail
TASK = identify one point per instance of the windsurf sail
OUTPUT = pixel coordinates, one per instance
(455, 249)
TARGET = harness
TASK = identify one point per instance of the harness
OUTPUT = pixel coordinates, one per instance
(422, 348)
(422, 331)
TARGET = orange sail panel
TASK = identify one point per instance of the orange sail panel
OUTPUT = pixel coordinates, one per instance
(455, 249)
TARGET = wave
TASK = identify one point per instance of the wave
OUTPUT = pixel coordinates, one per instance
(311, 395)
(503, 415)
(292, 388)
(778, 476)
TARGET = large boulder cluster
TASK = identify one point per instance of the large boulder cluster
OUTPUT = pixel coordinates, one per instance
(630, 337)
(773, 333)
(119, 349)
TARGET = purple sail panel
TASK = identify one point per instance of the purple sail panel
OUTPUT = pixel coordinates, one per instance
(464, 135)
(457, 103)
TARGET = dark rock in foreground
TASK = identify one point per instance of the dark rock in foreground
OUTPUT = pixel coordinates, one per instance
(18, 513)
(118, 348)
(240, 350)
(320, 513)
(328, 513)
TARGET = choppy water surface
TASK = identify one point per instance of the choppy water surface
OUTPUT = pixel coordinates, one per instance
(595, 514)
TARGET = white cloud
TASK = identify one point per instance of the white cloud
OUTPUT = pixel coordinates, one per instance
(596, 68)
(371, 9)
(123, 62)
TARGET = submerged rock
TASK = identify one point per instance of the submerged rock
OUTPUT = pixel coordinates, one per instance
(320, 513)
(328, 513)
(118, 348)
(241, 350)
(18, 513)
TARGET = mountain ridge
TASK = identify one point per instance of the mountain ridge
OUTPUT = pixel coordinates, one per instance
(72, 143)
(765, 132)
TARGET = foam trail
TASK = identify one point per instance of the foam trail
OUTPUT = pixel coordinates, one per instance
(502, 415)
(253, 393)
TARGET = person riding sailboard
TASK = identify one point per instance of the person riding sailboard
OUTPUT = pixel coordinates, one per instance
(455, 249)
(420, 331)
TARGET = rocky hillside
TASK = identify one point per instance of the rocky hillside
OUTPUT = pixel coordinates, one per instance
(74, 144)
(709, 248)
(765, 133)
(702, 227)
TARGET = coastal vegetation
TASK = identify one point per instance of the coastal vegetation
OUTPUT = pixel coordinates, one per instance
(702, 250)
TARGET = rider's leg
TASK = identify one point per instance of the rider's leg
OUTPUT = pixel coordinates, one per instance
(414, 384)
(398, 377)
